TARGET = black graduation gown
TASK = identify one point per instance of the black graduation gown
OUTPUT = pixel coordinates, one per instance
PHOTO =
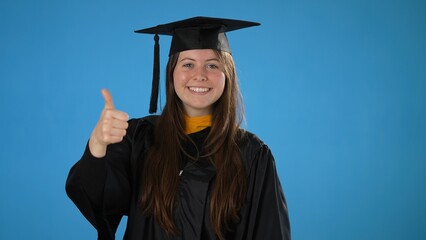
(105, 189)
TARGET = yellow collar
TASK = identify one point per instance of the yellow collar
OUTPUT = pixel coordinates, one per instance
(196, 124)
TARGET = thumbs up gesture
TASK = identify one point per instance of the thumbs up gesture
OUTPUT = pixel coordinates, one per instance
(111, 127)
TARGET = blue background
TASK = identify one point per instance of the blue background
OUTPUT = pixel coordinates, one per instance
(337, 89)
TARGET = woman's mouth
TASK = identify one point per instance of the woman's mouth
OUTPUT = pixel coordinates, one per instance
(199, 89)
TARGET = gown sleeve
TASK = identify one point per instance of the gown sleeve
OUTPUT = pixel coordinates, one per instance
(100, 187)
(266, 212)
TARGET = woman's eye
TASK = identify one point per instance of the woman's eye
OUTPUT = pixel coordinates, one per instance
(212, 66)
(188, 65)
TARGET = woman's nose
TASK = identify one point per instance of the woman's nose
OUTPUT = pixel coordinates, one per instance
(200, 74)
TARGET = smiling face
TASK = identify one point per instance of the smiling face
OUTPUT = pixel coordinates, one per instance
(199, 80)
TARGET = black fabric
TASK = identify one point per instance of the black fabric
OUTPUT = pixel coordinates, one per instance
(199, 33)
(107, 188)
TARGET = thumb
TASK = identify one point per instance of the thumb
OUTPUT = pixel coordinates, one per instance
(108, 99)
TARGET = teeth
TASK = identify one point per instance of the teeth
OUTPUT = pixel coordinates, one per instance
(198, 89)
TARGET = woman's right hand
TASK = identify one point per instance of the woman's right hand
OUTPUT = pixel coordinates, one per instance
(111, 127)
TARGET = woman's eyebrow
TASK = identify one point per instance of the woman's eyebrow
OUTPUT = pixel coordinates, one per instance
(212, 59)
(187, 58)
(192, 59)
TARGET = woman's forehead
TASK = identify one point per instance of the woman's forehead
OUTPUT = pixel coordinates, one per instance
(198, 54)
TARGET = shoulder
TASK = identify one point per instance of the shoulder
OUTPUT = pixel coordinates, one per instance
(151, 120)
(251, 146)
(250, 140)
(257, 156)
(147, 121)
(141, 125)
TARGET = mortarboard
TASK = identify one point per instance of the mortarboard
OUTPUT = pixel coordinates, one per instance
(192, 33)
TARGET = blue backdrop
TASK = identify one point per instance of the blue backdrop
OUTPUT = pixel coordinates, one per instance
(337, 89)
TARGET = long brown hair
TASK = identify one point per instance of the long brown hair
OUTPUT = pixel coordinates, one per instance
(160, 178)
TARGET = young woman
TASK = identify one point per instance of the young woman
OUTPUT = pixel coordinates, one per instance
(192, 172)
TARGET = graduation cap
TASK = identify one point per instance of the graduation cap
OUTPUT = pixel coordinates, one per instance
(192, 33)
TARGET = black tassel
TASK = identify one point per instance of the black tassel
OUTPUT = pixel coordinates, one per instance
(155, 76)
